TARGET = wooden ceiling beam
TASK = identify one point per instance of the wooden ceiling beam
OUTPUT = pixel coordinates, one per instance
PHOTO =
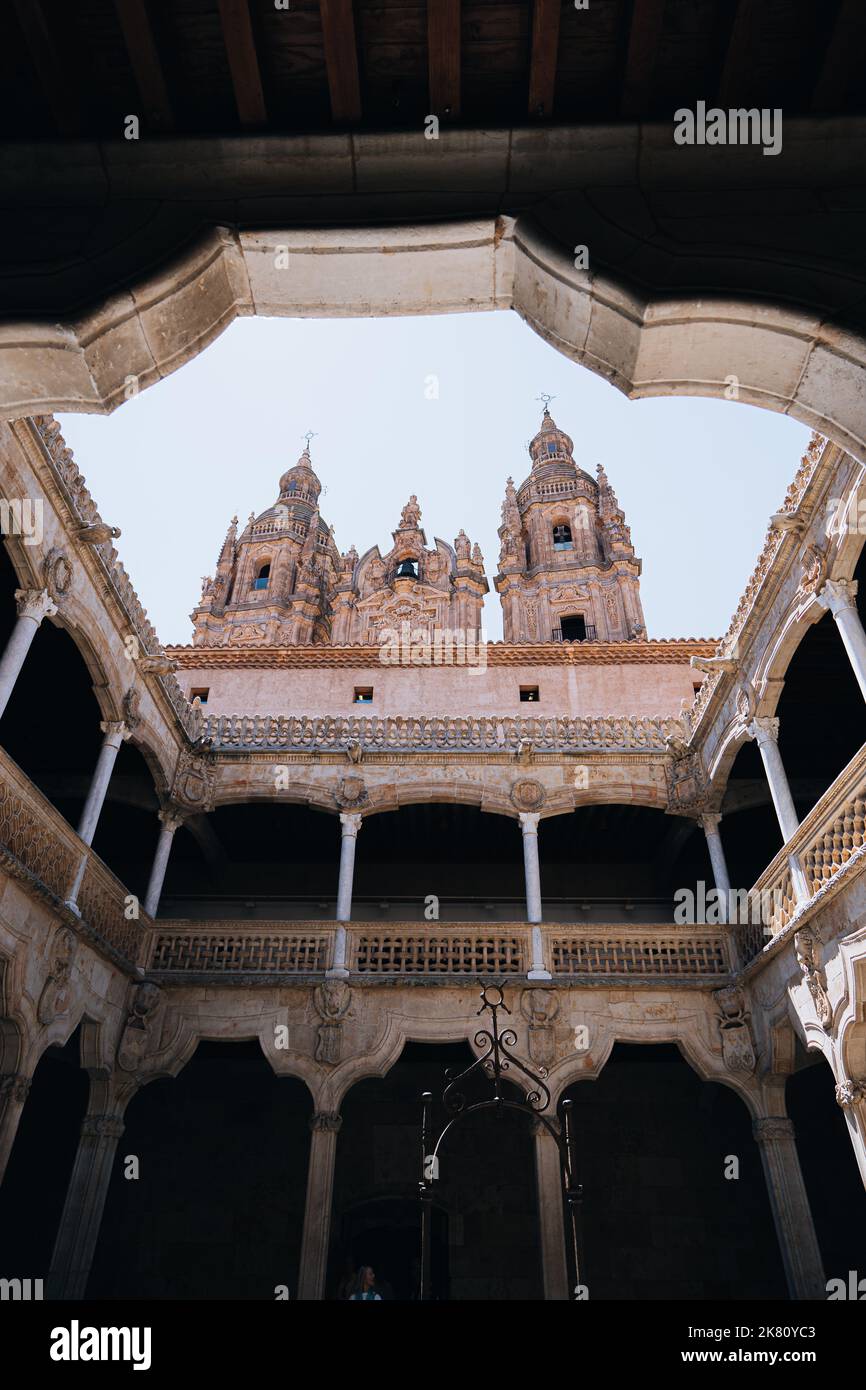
(57, 89)
(737, 62)
(243, 59)
(443, 56)
(341, 57)
(842, 56)
(645, 29)
(542, 66)
(146, 63)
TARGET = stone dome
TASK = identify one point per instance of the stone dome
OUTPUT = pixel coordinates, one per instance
(301, 480)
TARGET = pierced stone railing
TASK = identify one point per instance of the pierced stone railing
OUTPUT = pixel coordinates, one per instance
(434, 734)
(241, 951)
(39, 846)
(830, 844)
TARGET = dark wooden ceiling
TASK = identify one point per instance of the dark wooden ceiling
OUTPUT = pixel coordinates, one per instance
(217, 67)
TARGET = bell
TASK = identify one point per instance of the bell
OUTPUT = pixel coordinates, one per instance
(407, 570)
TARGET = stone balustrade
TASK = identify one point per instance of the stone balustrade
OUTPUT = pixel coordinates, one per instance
(830, 844)
(38, 845)
(206, 950)
(432, 734)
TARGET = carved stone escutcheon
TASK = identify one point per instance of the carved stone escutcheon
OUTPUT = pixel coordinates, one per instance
(528, 795)
(54, 999)
(331, 999)
(804, 945)
(738, 1049)
(139, 1035)
(351, 792)
(194, 780)
(540, 1008)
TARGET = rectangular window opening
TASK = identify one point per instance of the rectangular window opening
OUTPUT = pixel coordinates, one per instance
(529, 694)
(200, 693)
(363, 695)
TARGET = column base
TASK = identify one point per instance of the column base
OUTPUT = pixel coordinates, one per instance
(539, 975)
(73, 907)
(339, 972)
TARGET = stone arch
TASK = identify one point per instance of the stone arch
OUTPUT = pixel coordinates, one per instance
(784, 359)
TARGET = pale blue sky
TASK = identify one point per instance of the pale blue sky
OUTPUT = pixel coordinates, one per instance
(698, 479)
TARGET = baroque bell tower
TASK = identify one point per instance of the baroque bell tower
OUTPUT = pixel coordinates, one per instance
(567, 567)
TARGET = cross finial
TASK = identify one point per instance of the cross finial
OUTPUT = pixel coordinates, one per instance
(311, 434)
(547, 399)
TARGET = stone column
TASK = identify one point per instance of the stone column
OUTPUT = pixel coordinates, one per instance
(766, 732)
(804, 1269)
(721, 878)
(351, 824)
(14, 1090)
(551, 1220)
(851, 1096)
(838, 596)
(115, 733)
(170, 820)
(532, 873)
(33, 605)
(85, 1201)
(317, 1211)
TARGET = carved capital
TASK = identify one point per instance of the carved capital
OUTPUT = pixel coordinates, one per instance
(529, 822)
(710, 822)
(836, 594)
(850, 1093)
(35, 604)
(323, 1120)
(14, 1087)
(171, 818)
(102, 1127)
(772, 1129)
(765, 729)
(351, 823)
(115, 730)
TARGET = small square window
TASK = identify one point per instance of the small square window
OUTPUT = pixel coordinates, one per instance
(529, 694)
(363, 695)
(200, 693)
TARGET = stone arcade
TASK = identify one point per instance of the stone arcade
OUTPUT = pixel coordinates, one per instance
(216, 936)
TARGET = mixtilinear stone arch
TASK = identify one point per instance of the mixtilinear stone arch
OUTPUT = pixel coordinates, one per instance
(783, 359)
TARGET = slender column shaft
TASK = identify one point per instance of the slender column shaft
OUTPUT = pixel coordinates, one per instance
(114, 733)
(532, 872)
(839, 596)
(170, 822)
(801, 1256)
(350, 824)
(82, 1211)
(717, 859)
(14, 1090)
(33, 605)
(317, 1211)
(766, 732)
(551, 1224)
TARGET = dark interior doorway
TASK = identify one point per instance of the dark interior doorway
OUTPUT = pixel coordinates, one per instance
(573, 628)
(384, 1233)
